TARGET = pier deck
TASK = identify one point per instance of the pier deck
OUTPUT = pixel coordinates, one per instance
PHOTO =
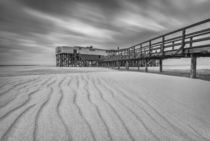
(190, 41)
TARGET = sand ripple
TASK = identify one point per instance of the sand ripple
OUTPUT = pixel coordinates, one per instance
(103, 106)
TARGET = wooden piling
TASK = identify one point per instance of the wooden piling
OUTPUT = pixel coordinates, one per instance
(160, 65)
(127, 65)
(118, 65)
(146, 65)
(193, 66)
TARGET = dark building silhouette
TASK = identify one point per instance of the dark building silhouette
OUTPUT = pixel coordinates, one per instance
(78, 56)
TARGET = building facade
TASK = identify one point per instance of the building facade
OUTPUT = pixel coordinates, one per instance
(78, 56)
(88, 56)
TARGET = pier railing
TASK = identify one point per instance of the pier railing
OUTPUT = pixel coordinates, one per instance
(192, 39)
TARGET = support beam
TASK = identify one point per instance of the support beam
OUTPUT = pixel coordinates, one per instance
(56, 60)
(118, 65)
(146, 65)
(138, 63)
(127, 65)
(161, 65)
(193, 66)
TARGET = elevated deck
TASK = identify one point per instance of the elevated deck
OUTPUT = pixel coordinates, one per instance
(190, 41)
(78, 56)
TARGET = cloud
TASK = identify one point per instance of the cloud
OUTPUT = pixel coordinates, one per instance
(31, 29)
(134, 21)
(74, 25)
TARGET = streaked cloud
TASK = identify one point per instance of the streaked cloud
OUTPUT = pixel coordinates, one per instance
(137, 22)
(31, 29)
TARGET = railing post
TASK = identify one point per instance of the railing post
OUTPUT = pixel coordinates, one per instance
(191, 42)
(140, 50)
(172, 45)
(163, 46)
(150, 48)
(183, 40)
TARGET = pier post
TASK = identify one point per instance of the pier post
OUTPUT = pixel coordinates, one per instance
(56, 60)
(127, 65)
(146, 65)
(138, 63)
(118, 65)
(61, 60)
(161, 65)
(193, 66)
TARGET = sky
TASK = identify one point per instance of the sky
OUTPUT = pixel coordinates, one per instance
(30, 30)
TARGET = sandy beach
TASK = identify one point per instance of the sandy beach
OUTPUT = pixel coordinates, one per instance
(99, 104)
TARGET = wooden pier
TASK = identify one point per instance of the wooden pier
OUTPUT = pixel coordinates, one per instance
(191, 41)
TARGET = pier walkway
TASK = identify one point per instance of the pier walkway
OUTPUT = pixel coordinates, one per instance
(191, 41)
